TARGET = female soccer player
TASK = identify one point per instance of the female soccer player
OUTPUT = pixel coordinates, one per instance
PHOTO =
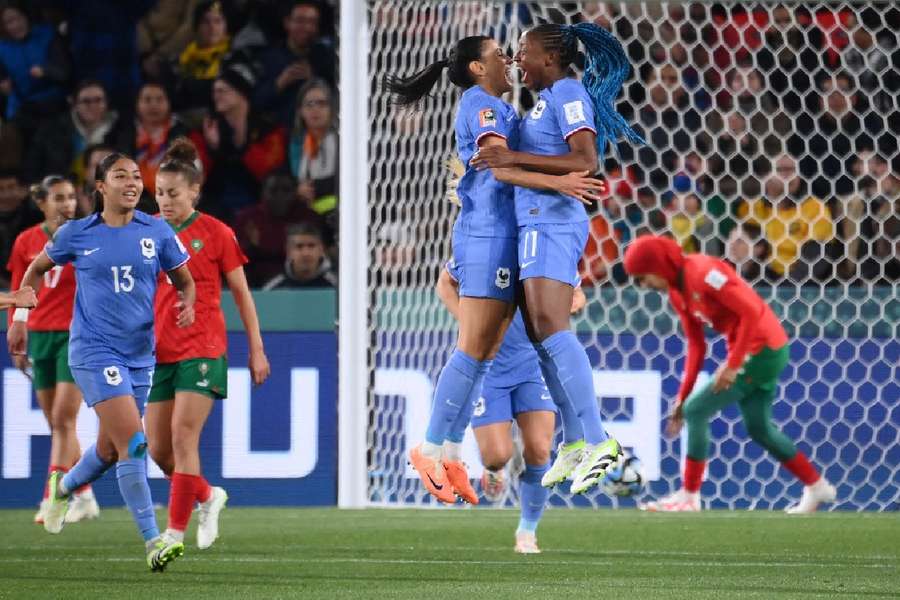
(484, 242)
(57, 394)
(513, 389)
(118, 253)
(570, 122)
(191, 370)
(703, 289)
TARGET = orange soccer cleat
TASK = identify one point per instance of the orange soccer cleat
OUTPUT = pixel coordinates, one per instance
(459, 479)
(433, 476)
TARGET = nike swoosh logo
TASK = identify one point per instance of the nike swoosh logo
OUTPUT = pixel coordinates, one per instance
(436, 486)
(545, 397)
(89, 252)
(525, 265)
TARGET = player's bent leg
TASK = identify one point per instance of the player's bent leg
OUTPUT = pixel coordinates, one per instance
(67, 401)
(158, 424)
(537, 428)
(495, 444)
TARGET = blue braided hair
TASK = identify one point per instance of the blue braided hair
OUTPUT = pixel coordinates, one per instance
(606, 69)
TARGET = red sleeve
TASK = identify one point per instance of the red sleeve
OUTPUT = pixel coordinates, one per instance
(231, 256)
(266, 154)
(696, 352)
(731, 292)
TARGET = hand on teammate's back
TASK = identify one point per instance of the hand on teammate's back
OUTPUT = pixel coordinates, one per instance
(493, 157)
(580, 185)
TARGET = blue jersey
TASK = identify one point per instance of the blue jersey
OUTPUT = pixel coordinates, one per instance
(561, 110)
(488, 206)
(516, 361)
(116, 270)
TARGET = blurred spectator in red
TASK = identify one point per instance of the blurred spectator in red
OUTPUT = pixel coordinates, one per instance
(306, 264)
(17, 213)
(238, 148)
(164, 33)
(92, 156)
(262, 228)
(202, 60)
(58, 144)
(600, 253)
(34, 69)
(313, 150)
(302, 56)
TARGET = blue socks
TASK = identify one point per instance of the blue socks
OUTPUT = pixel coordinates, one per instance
(460, 380)
(132, 476)
(88, 469)
(571, 424)
(458, 429)
(532, 496)
(567, 370)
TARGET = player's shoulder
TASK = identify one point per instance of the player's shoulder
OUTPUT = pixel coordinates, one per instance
(74, 226)
(156, 224)
(707, 273)
(476, 98)
(568, 88)
(31, 234)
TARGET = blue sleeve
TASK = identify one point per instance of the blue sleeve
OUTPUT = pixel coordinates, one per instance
(574, 109)
(172, 253)
(486, 115)
(59, 248)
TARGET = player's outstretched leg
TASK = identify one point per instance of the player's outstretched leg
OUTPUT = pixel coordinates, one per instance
(60, 486)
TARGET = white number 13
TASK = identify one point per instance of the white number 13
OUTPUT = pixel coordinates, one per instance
(122, 279)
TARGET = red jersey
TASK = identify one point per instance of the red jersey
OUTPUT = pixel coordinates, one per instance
(57, 294)
(712, 293)
(214, 251)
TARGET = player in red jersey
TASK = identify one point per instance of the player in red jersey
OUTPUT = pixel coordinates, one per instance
(191, 370)
(706, 290)
(48, 342)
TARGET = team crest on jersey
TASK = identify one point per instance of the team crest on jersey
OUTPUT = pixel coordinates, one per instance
(112, 375)
(479, 407)
(538, 109)
(487, 117)
(502, 279)
(196, 245)
(148, 247)
(204, 369)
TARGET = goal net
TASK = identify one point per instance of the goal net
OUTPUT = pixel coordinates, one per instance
(772, 141)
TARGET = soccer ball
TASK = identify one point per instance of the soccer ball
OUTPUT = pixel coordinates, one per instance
(625, 480)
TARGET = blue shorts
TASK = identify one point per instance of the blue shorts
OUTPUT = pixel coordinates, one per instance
(502, 404)
(102, 383)
(552, 250)
(485, 267)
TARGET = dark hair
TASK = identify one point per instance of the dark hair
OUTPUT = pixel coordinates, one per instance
(103, 168)
(182, 158)
(10, 174)
(86, 83)
(290, 6)
(606, 69)
(40, 191)
(312, 84)
(304, 229)
(204, 7)
(409, 90)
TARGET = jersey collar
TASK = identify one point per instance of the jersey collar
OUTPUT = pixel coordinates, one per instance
(139, 217)
(187, 223)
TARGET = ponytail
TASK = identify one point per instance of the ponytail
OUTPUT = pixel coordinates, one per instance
(409, 90)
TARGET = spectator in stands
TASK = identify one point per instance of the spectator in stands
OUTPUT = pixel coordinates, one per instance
(92, 156)
(164, 33)
(103, 41)
(262, 228)
(691, 228)
(147, 137)
(797, 224)
(202, 60)
(306, 265)
(58, 144)
(17, 213)
(302, 56)
(313, 150)
(238, 148)
(748, 253)
(34, 69)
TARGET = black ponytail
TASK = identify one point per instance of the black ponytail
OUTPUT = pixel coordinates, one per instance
(409, 90)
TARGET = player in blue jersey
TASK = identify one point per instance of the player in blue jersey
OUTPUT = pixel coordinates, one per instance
(484, 244)
(562, 133)
(118, 253)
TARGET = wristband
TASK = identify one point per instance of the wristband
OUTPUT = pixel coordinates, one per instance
(21, 315)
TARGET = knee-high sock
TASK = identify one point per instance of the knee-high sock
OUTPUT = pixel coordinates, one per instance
(802, 469)
(132, 476)
(571, 424)
(181, 500)
(567, 370)
(88, 469)
(532, 496)
(458, 429)
(461, 375)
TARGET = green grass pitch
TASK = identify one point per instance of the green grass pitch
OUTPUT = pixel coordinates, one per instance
(459, 553)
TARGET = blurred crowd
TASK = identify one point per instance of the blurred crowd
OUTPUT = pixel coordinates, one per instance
(250, 82)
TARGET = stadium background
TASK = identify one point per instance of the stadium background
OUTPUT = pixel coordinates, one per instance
(722, 91)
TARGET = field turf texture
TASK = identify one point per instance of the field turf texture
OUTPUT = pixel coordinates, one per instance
(465, 554)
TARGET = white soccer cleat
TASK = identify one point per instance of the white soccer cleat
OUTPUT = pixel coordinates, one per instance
(55, 515)
(567, 458)
(813, 495)
(39, 515)
(208, 518)
(493, 484)
(680, 501)
(83, 506)
(596, 461)
(526, 543)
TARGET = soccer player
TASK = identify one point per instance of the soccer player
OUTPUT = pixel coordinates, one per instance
(512, 389)
(118, 253)
(484, 243)
(706, 290)
(191, 368)
(54, 387)
(563, 132)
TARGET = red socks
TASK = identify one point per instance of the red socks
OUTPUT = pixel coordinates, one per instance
(184, 491)
(693, 474)
(802, 469)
